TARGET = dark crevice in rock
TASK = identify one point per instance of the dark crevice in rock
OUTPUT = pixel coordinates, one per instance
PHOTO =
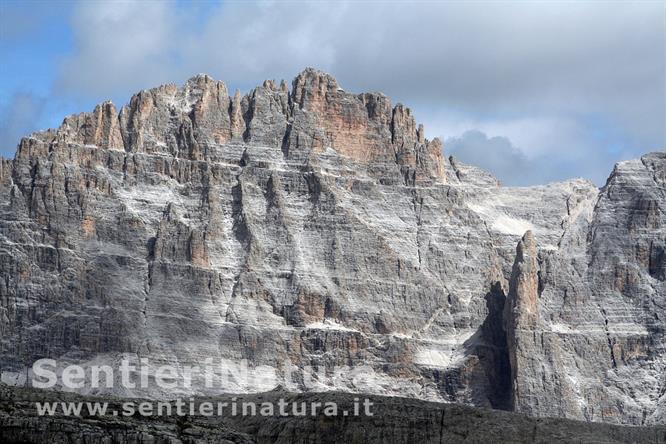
(314, 186)
(417, 202)
(441, 428)
(285, 141)
(248, 114)
(494, 353)
(240, 228)
(657, 261)
(609, 339)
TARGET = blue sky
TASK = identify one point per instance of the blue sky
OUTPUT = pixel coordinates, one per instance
(533, 92)
(30, 44)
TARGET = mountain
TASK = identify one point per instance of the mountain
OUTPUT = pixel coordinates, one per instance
(395, 420)
(321, 228)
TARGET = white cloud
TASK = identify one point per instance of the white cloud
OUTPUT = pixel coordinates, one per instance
(17, 119)
(548, 76)
(571, 153)
(120, 46)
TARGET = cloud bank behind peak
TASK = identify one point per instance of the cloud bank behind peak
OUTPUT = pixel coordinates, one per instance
(580, 82)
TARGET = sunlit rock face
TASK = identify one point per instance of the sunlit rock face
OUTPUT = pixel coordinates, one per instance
(318, 227)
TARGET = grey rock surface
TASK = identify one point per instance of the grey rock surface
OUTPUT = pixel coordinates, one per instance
(321, 227)
(393, 421)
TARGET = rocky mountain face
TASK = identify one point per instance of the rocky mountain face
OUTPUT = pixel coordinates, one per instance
(394, 421)
(320, 227)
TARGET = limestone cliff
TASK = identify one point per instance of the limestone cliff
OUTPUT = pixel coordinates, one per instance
(394, 421)
(320, 227)
(521, 316)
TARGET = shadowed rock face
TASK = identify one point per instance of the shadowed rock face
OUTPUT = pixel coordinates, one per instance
(322, 228)
(393, 421)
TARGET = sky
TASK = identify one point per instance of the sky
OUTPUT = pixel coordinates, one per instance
(534, 92)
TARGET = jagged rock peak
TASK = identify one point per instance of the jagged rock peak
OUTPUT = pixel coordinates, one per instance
(253, 227)
(312, 84)
(521, 317)
(365, 127)
(200, 117)
(100, 128)
(523, 288)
